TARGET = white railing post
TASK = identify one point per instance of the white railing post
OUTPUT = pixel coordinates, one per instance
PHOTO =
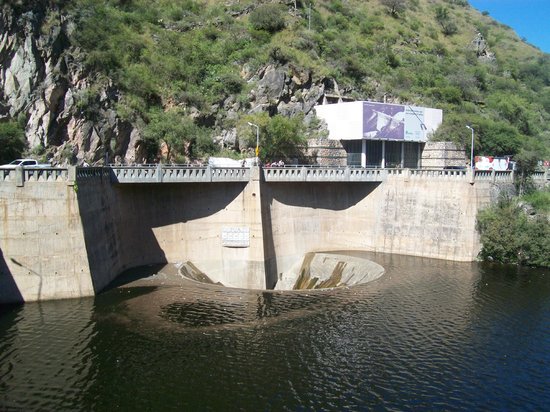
(19, 176)
(159, 173)
(471, 175)
(209, 173)
(71, 178)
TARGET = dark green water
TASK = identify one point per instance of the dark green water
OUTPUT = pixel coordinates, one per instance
(428, 335)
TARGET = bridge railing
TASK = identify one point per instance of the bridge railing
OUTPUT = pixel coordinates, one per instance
(542, 175)
(19, 175)
(83, 173)
(494, 175)
(159, 173)
(178, 174)
(438, 173)
(322, 174)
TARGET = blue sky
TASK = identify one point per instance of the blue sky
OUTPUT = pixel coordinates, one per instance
(529, 18)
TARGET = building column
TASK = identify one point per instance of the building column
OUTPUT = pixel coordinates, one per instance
(383, 163)
(364, 153)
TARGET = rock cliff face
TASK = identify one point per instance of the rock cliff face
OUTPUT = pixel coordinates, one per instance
(43, 85)
(70, 113)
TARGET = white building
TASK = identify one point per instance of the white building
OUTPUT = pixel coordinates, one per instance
(379, 134)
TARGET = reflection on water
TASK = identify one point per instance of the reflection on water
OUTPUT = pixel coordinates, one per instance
(46, 357)
(427, 335)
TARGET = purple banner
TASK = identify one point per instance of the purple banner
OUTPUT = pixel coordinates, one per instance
(383, 121)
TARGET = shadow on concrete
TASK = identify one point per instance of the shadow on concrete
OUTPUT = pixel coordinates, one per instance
(119, 221)
(330, 196)
(133, 274)
(270, 258)
(9, 291)
(193, 200)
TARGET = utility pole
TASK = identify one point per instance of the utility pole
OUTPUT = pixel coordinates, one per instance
(472, 148)
(257, 141)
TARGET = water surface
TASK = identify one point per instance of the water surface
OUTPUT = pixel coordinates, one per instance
(428, 334)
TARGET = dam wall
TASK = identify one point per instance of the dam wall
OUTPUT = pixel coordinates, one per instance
(69, 237)
(409, 215)
(42, 250)
(134, 225)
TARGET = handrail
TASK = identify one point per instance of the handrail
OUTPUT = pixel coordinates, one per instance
(322, 174)
(161, 173)
(189, 173)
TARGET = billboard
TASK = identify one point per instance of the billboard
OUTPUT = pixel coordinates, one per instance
(364, 120)
(493, 163)
(393, 122)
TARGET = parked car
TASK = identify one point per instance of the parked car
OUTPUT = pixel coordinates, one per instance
(25, 163)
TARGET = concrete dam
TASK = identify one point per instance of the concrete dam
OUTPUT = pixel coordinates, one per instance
(69, 232)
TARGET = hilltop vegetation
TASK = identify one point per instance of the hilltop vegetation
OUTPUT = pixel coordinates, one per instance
(186, 70)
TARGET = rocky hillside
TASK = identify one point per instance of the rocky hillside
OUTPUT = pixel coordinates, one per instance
(137, 80)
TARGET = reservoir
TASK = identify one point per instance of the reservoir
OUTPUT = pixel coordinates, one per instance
(428, 334)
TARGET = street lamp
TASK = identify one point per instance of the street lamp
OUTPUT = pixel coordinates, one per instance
(257, 139)
(472, 148)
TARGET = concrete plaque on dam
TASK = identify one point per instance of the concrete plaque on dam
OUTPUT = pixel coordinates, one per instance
(236, 237)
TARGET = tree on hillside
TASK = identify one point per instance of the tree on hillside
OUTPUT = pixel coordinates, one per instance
(281, 137)
(268, 17)
(178, 132)
(394, 6)
(444, 19)
(284, 138)
(526, 165)
(12, 141)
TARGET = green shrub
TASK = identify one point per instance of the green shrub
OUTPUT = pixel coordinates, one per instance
(370, 25)
(540, 200)
(284, 138)
(497, 138)
(394, 7)
(150, 148)
(268, 17)
(12, 141)
(508, 235)
(140, 80)
(203, 145)
(443, 17)
(172, 128)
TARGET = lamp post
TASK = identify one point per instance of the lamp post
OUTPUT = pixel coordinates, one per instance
(472, 148)
(257, 140)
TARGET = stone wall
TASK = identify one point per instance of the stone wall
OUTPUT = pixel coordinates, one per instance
(325, 152)
(439, 155)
